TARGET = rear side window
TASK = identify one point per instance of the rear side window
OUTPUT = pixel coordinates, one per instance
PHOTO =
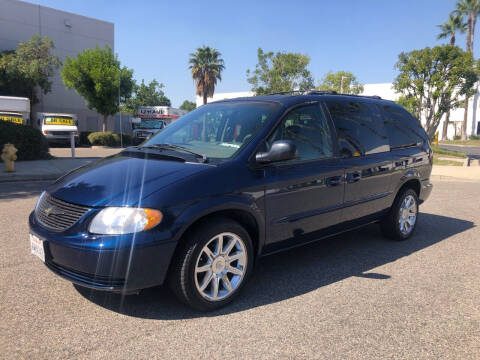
(402, 128)
(359, 128)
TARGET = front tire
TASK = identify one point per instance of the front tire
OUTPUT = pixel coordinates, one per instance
(212, 264)
(401, 221)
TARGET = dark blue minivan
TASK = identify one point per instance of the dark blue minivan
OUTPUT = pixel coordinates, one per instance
(200, 202)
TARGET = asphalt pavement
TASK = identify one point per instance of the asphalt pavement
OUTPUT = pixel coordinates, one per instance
(471, 151)
(354, 296)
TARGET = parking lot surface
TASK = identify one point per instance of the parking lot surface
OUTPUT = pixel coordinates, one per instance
(354, 296)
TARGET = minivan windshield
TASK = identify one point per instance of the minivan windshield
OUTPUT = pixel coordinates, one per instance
(218, 130)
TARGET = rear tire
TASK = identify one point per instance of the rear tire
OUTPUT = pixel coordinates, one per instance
(212, 264)
(400, 222)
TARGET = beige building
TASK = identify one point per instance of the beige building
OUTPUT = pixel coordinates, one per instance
(71, 33)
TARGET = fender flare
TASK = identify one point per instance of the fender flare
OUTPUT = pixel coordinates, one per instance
(411, 174)
(205, 207)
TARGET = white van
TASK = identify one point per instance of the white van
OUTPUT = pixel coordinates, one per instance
(57, 127)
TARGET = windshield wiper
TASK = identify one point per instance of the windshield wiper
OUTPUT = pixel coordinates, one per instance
(203, 157)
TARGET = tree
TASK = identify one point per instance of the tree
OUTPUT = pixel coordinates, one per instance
(448, 29)
(433, 80)
(146, 95)
(206, 65)
(30, 66)
(96, 76)
(469, 9)
(188, 105)
(280, 72)
(342, 82)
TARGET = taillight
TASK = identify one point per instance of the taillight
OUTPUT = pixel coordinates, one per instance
(45, 132)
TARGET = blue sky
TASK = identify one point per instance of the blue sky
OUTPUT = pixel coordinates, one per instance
(155, 37)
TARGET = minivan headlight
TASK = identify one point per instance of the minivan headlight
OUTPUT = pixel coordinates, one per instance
(124, 220)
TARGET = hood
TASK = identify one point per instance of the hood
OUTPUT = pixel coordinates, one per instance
(120, 180)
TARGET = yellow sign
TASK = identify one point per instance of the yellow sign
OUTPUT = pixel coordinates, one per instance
(16, 119)
(58, 121)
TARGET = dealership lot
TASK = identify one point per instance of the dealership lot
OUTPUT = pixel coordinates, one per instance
(352, 296)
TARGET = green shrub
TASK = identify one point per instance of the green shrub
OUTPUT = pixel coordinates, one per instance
(474, 137)
(457, 137)
(108, 139)
(127, 139)
(30, 142)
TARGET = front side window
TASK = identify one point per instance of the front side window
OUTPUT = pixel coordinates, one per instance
(218, 130)
(359, 128)
(308, 129)
(402, 128)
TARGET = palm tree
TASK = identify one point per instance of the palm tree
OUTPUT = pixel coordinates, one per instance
(448, 29)
(207, 66)
(469, 9)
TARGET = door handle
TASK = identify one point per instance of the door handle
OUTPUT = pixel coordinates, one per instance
(353, 177)
(333, 181)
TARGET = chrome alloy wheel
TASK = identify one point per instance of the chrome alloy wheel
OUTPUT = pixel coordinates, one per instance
(408, 215)
(220, 266)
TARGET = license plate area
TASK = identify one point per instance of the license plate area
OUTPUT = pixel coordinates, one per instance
(36, 246)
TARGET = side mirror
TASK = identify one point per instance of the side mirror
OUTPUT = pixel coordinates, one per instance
(281, 150)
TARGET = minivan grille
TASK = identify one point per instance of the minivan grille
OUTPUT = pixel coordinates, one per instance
(58, 215)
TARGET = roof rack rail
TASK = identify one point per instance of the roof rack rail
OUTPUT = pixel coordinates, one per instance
(320, 92)
(304, 92)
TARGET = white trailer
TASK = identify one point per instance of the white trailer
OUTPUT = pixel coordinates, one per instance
(15, 109)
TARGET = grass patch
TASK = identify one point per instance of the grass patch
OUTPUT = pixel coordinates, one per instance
(446, 162)
(471, 142)
(440, 151)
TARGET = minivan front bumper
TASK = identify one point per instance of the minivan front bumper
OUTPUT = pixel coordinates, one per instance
(116, 268)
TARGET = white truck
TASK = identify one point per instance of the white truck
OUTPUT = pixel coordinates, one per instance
(57, 127)
(15, 109)
(149, 120)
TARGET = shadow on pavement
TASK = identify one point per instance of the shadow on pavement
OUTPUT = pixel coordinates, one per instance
(21, 189)
(295, 272)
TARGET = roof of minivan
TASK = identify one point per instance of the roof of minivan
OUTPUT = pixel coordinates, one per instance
(290, 100)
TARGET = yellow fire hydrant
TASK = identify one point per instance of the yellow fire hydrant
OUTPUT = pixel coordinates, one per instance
(9, 155)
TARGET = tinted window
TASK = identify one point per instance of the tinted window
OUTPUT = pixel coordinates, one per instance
(307, 127)
(402, 128)
(359, 128)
